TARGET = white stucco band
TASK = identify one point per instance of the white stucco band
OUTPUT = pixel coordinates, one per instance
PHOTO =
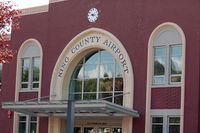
(76, 49)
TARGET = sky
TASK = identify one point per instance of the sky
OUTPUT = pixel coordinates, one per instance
(28, 3)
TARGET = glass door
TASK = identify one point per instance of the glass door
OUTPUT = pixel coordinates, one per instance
(109, 130)
(89, 130)
(104, 130)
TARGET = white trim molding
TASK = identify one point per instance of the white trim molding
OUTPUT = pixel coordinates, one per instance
(34, 10)
(150, 73)
(164, 112)
(55, 1)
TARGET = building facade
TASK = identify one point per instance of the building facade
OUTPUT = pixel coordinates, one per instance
(128, 66)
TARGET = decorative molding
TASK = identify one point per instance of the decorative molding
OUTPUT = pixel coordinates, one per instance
(165, 112)
(34, 10)
(54, 1)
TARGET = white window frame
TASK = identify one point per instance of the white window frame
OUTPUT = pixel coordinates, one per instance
(28, 123)
(166, 114)
(30, 76)
(167, 76)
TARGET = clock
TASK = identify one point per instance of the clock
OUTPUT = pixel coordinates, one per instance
(93, 15)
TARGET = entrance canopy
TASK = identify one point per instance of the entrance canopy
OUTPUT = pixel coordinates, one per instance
(100, 109)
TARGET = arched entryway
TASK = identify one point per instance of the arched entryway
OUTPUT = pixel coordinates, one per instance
(88, 42)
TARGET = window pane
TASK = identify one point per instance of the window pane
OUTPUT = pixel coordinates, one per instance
(157, 120)
(22, 127)
(106, 57)
(89, 130)
(36, 69)
(76, 96)
(25, 69)
(118, 84)
(78, 72)
(159, 61)
(24, 85)
(92, 58)
(157, 124)
(35, 85)
(75, 86)
(107, 96)
(159, 66)
(106, 84)
(33, 127)
(91, 96)
(118, 72)
(104, 130)
(159, 79)
(157, 128)
(174, 125)
(118, 99)
(34, 119)
(176, 79)
(174, 129)
(116, 130)
(22, 124)
(77, 130)
(22, 118)
(90, 85)
(176, 50)
(91, 71)
(174, 120)
(159, 52)
(176, 65)
(106, 70)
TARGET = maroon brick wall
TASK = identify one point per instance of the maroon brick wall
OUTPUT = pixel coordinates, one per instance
(43, 125)
(166, 98)
(27, 95)
(132, 22)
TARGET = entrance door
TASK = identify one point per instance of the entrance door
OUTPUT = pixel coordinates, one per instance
(96, 129)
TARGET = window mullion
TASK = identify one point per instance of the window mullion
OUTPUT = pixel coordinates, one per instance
(114, 82)
(167, 67)
(165, 124)
(30, 73)
(27, 124)
(82, 90)
(98, 74)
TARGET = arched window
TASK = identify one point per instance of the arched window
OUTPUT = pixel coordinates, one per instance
(97, 76)
(167, 47)
(30, 71)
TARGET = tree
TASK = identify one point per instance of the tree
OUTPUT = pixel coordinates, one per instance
(8, 21)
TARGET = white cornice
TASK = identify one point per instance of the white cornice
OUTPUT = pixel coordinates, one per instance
(34, 10)
(54, 1)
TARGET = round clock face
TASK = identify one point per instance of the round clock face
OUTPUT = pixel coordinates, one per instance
(93, 14)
